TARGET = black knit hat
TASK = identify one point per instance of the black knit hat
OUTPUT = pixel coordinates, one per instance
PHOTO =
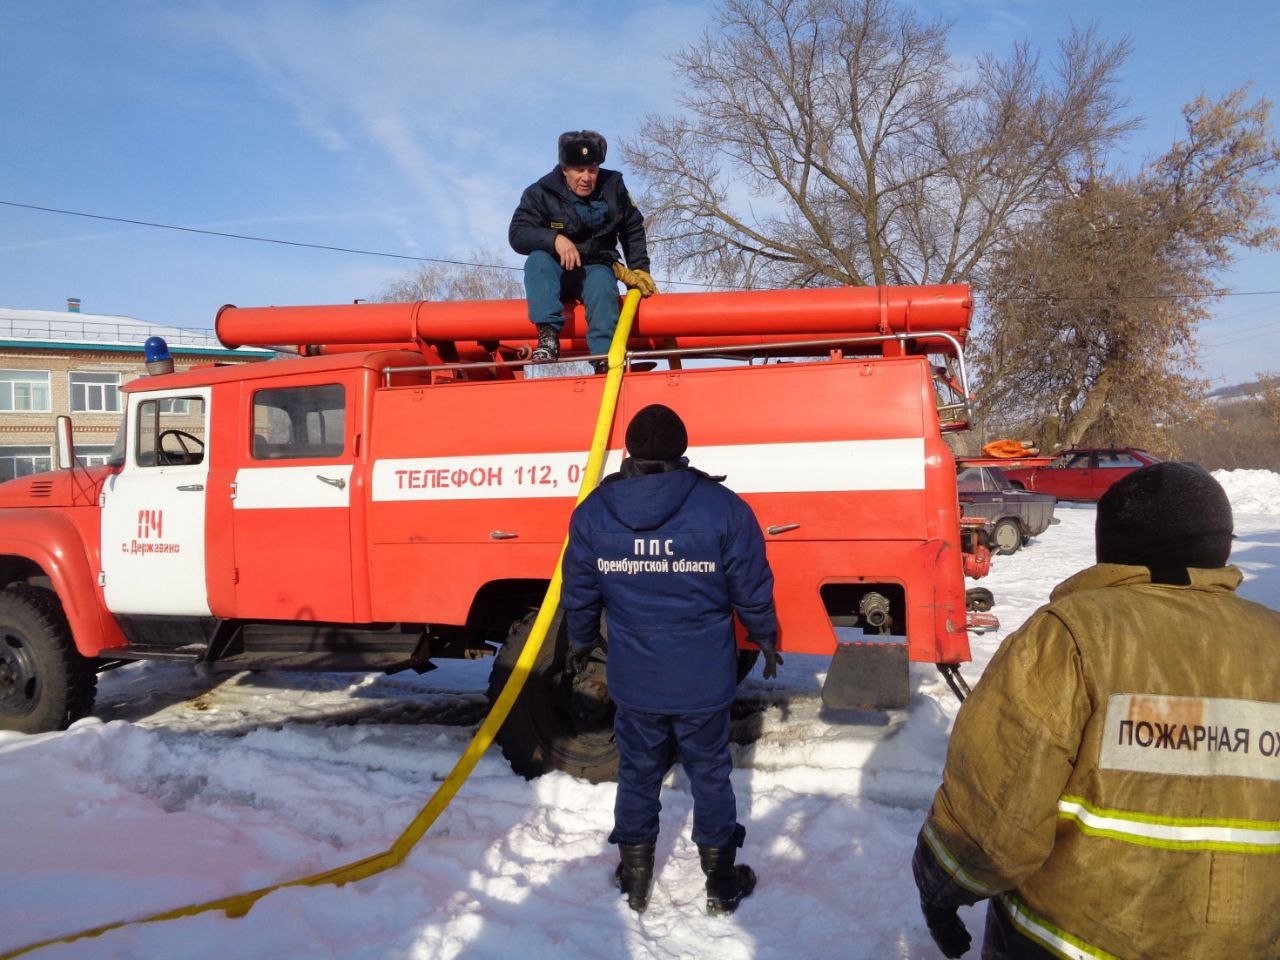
(657, 433)
(582, 148)
(1168, 516)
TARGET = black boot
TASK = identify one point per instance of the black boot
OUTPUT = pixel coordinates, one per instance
(634, 875)
(548, 349)
(727, 883)
(600, 366)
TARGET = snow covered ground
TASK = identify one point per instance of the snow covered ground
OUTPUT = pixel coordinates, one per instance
(185, 788)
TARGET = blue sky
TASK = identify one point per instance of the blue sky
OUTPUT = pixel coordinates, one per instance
(410, 126)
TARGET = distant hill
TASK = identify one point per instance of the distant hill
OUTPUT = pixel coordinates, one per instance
(1236, 392)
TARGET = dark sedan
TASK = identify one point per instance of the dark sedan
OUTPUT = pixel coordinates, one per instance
(1013, 515)
(1082, 474)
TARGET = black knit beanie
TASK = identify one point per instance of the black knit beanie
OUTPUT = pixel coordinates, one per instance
(1167, 516)
(657, 433)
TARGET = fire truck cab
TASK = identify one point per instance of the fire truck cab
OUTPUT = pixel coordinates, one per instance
(401, 494)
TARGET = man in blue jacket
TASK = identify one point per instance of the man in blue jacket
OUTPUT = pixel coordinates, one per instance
(569, 224)
(670, 555)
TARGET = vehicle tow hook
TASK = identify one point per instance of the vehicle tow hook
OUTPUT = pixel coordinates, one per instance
(951, 673)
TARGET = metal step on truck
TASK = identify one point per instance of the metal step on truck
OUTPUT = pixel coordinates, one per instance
(398, 491)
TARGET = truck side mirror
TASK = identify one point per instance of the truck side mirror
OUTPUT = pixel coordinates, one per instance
(66, 445)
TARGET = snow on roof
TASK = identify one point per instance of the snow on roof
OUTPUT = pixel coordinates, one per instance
(99, 329)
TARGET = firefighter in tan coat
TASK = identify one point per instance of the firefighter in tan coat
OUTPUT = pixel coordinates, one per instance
(1113, 783)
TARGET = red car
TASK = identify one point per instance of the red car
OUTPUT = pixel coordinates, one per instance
(1081, 474)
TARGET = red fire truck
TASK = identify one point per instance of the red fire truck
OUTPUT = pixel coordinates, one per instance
(399, 492)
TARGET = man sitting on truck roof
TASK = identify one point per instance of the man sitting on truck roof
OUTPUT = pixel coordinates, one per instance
(569, 224)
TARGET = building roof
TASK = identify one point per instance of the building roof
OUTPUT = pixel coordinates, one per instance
(207, 374)
(65, 330)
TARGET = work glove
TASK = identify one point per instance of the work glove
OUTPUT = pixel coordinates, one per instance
(947, 929)
(580, 657)
(768, 644)
(938, 901)
(635, 279)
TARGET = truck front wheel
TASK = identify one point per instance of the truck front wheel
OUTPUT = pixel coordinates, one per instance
(555, 724)
(45, 684)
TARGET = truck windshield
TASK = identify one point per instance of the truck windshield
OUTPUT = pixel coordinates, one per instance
(116, 458)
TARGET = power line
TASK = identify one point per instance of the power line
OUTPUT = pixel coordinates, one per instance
(1238, 314)
(243, 236)
(1269, 322)
(1048, 298)
(1038, 298)
(1245, 333)
(286, 243)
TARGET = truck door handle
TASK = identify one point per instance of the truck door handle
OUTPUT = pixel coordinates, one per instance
(781, 528)
(191, 487)
(502, 535)
(333, 481)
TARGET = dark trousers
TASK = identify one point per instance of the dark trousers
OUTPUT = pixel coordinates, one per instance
(647, 744)
(547, 286)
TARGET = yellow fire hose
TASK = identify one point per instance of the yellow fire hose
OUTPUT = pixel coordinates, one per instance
(237, 905)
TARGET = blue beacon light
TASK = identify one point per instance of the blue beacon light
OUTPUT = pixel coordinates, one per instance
(157, 356)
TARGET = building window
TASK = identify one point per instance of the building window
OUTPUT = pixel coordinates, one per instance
(176, 406)
(93, 455)
(24, 391)
(95, 392)
(24, 461)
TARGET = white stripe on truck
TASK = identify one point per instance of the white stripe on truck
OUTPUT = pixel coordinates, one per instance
(284, 488)
(837, 465)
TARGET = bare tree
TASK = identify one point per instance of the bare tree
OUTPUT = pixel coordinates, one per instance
(483, 279)
(1271, 409)
(836, 141)
(1094, 308)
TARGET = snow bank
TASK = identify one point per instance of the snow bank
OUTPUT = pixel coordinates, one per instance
(1251, 491)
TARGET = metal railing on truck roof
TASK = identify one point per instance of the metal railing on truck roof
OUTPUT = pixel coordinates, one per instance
(946, 411)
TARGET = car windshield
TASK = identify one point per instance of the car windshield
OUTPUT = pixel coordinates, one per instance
(1072, 459)
(979, 479)
(1000, 481)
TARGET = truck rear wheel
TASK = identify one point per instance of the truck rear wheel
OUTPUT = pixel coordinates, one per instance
(555, 724)
(45, 684)
(552, 726)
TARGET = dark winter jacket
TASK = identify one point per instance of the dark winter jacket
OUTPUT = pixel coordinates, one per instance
(547, 208)
(670, 556)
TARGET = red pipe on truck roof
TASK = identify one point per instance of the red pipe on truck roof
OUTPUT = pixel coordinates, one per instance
(826, 311)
